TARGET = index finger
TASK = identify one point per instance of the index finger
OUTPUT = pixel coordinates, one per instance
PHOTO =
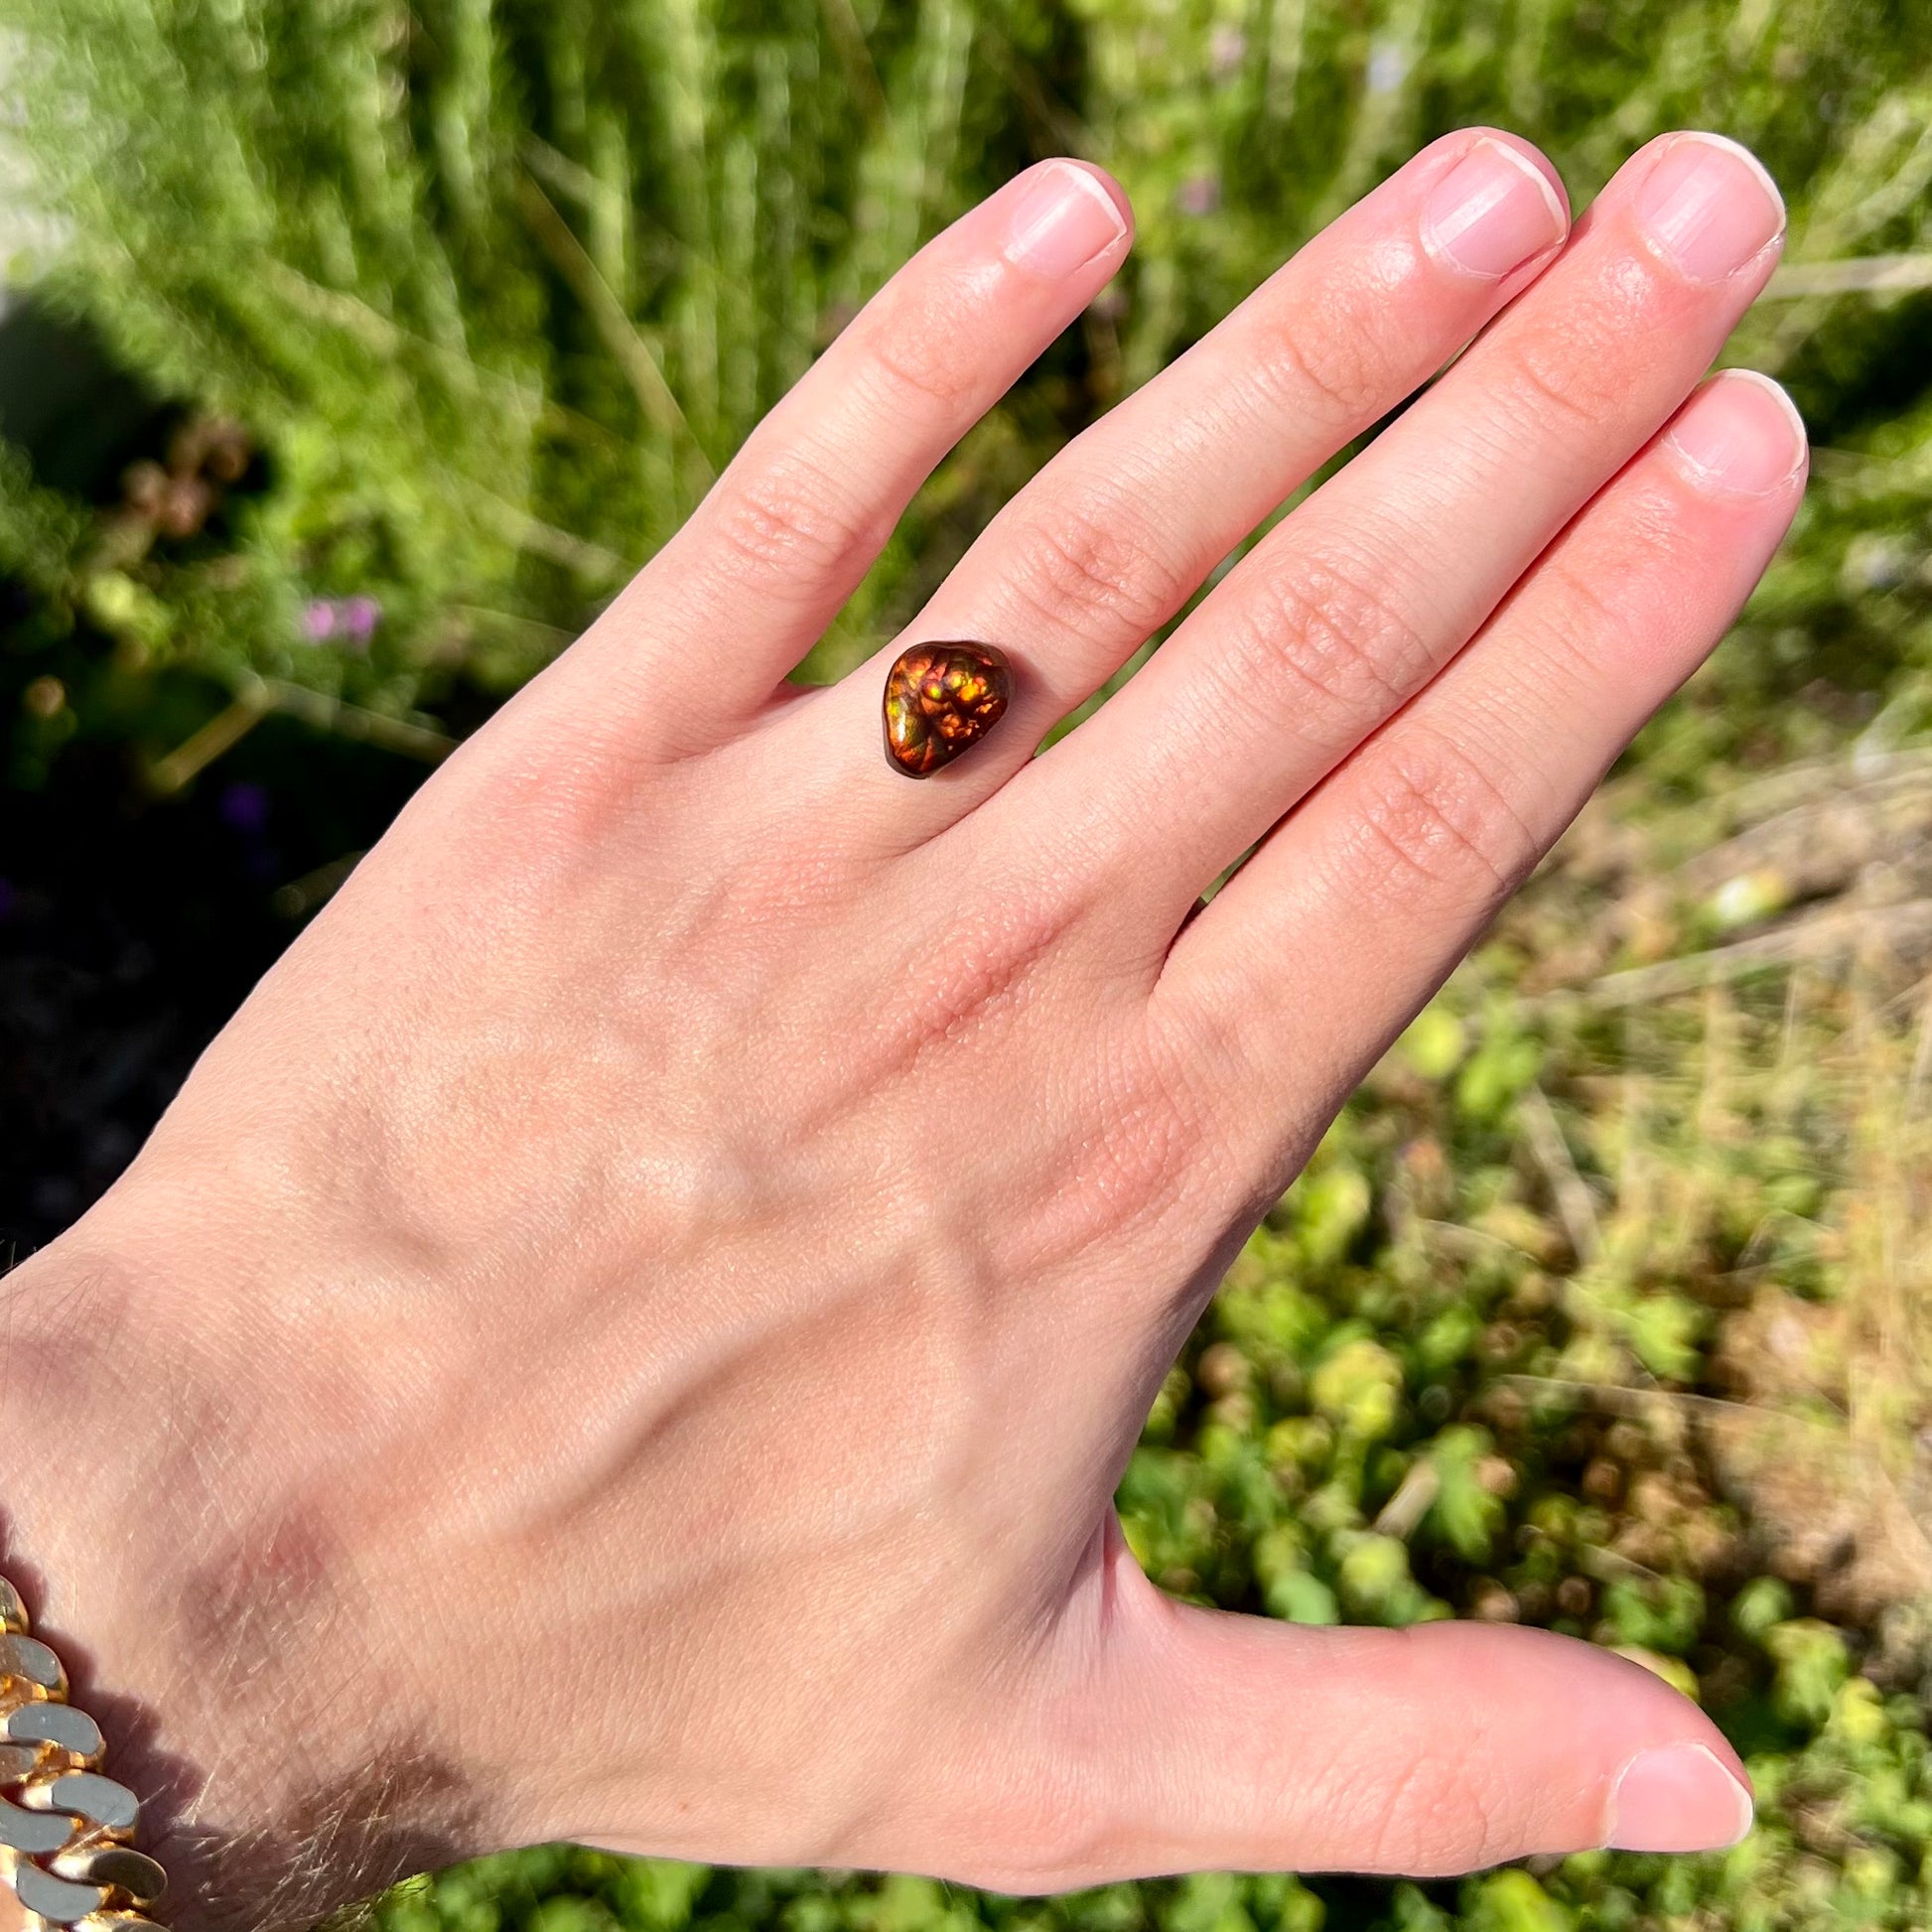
(706, 632)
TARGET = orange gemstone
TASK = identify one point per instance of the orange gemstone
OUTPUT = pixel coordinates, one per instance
(941, 698)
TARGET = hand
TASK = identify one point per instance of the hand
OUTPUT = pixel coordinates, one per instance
(633, 1332)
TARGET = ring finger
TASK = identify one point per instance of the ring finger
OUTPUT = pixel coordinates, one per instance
(1120, 529)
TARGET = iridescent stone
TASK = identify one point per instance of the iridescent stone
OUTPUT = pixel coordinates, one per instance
(940, 699)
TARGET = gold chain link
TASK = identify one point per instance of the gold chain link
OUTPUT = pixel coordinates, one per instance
(67, 1833)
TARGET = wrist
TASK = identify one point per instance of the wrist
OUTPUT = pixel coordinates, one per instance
(180, 1554)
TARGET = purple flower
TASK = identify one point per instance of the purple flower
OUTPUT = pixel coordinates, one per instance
(244, 807)
(319, 621)
(1201, 195)
(360, 615)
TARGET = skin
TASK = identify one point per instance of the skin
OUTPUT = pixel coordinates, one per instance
(633, 1331)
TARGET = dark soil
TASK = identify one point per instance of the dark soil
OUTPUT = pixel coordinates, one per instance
(131, 928)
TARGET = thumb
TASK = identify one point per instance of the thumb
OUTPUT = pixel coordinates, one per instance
(1233, 1742)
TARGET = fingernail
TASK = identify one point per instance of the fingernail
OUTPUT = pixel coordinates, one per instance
(1710, 205)
(1677, 1798)
(1493, 211)
(1740, 432)
(1062, 220)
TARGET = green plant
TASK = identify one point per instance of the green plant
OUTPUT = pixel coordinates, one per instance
(490, 289)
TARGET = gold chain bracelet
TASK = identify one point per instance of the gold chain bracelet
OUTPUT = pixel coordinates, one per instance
(67, 1833)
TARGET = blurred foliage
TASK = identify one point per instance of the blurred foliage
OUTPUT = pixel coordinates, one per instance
(1602, 1307)
(495, 286)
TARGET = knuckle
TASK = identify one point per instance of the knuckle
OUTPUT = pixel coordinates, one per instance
(787, 520)
(1438, 1820)
(1179, 1073)
(1329, 630)
(1041, 1852)
(1145, 1160)
(919, 353)
(1583, 608)
(1418, 1808)
(1572, 378)
(1436, 819)
(1584, 618)
(1579, 625)
(1064, 1830)
(1225, 1161)
(1334, 360)
(1096, 570)
(1202, 1051)
(976, 974)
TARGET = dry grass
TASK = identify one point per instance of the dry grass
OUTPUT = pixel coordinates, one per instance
(1741, 1150)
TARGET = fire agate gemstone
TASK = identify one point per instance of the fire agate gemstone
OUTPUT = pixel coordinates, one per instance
(940, 699)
